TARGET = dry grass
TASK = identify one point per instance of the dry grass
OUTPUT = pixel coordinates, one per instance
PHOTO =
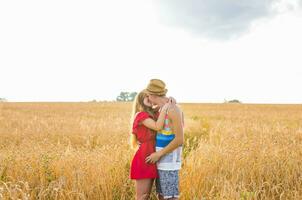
(80, 151)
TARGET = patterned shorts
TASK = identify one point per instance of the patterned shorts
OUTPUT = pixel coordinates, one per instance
(167, 183)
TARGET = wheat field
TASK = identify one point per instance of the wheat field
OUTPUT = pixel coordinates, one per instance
(81, 151)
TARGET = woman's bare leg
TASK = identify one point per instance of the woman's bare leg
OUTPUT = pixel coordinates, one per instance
(143, 188)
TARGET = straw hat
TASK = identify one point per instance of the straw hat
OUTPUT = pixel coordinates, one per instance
(156, 87)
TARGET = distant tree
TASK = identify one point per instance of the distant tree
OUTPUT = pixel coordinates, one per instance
(133, 95)
(126, 96)
(232, 101)
(3, 100)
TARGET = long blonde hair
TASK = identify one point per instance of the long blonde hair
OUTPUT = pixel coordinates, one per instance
(138, 106)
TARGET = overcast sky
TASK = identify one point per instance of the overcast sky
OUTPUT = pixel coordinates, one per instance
(205, 50)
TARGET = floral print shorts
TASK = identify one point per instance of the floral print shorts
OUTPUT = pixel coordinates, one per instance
(167, 183)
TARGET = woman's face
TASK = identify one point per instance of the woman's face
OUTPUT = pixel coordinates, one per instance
(147, 102)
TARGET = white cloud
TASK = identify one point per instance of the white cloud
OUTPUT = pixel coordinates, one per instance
(78, 51)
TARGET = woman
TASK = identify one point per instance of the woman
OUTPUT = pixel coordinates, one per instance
(143, 127)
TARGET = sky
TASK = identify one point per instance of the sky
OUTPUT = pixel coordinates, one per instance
(205, 51)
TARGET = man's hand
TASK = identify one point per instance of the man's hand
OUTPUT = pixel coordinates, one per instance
(153, 158)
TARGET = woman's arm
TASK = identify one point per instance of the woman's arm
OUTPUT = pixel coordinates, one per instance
(157, 125)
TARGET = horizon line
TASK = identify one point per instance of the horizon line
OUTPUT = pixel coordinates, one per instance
(184, 102)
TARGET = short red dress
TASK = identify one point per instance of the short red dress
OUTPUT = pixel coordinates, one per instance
(139, 168)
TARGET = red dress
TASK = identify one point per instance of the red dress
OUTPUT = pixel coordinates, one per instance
(139, 168)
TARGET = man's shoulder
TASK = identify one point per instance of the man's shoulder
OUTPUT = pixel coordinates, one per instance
(175, 110)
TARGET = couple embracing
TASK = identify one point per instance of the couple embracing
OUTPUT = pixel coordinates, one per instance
(157, 135)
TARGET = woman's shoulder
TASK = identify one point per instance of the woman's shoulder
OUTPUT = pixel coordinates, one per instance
(141, 114)
(139, 117)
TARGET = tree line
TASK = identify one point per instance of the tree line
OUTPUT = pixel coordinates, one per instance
(126, 96)
(3, 100)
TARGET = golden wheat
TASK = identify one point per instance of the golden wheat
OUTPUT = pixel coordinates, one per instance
(81, 151)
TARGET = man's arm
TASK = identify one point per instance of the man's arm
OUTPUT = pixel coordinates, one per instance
(176, 116)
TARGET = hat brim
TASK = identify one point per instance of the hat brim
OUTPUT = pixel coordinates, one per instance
(161, 93)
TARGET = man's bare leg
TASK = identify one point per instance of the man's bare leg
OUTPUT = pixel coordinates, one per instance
(160, 197)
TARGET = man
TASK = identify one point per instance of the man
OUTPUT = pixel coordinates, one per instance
(168, 143)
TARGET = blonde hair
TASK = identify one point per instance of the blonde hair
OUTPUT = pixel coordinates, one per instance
(138, 106)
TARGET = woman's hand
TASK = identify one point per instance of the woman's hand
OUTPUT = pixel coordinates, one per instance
(166, 106)
(172, 100)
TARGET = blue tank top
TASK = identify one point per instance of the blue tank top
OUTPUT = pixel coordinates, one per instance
(172, 160)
